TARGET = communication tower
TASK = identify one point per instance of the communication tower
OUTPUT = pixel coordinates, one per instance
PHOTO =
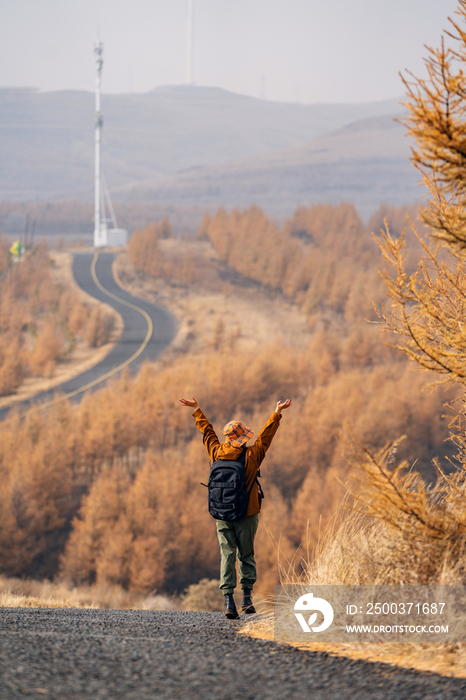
(103, 236)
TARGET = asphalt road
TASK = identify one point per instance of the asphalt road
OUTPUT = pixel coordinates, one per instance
(134, 333)
(146, 655)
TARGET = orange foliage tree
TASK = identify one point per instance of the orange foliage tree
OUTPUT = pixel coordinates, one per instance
(427, 313)
(428, 305)
(144, 250)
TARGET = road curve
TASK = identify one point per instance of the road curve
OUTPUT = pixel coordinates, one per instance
(157, 655)
(148, 329)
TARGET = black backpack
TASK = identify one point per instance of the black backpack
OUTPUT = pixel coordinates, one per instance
(228, 495)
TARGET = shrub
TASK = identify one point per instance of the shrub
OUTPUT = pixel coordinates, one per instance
(49, 345)
(203, 596)
(99, 328)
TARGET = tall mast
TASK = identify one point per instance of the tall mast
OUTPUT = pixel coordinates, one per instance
(189, 45)
(98, 233)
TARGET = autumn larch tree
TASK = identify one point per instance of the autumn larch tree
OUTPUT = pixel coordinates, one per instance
(429, 306)
(428, 310)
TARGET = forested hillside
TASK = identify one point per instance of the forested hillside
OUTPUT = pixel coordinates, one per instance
(109, 491)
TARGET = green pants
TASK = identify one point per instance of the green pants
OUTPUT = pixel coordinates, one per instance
(237, 537)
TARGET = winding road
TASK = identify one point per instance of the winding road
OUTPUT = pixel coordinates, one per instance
(148, 329)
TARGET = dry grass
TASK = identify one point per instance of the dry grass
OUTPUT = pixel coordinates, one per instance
(401, 532)
(24, 593)
(9, 600)
(362, 550)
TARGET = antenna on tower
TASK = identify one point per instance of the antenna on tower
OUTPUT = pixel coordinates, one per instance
(189, 45)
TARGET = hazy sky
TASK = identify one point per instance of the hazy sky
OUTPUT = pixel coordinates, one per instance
(289, 50)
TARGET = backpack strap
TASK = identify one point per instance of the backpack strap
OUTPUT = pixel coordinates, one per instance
(259, 488)
(242, 459)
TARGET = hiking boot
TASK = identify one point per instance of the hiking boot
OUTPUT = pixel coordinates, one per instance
(230, 608)
(247, 605)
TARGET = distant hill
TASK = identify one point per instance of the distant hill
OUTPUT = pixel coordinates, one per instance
(202, 145)
(366, 163)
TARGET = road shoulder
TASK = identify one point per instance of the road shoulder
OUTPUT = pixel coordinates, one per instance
(419, 657)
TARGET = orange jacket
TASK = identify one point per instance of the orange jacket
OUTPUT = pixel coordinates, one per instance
(254, 454)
